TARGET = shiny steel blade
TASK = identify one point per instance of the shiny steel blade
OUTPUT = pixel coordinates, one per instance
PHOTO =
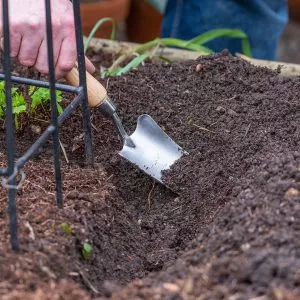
(154, 151)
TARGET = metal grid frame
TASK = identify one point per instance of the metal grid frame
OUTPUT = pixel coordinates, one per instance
(13, 168)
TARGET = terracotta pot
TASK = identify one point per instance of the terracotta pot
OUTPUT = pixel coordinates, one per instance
(143, 23)
(92, 12)
(294, 9)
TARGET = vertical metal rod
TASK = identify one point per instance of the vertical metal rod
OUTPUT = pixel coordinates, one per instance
(82, 82)
(12, 207)
(54, 113)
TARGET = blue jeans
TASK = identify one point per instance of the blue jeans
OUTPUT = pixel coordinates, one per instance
(262, 20)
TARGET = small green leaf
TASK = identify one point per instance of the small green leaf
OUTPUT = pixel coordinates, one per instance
(133, 64)
(58, 96)
(14, 91)
(42, 95)
(190, 122)
(18, 103)
(66, 228)
(59, 108)
(114, 71)
(87, 250)
(19, 109)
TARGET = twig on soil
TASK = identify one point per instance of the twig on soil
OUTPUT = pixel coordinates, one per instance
(74, 274)
(172, 210)
(47, 271)
(31, 232)
(214, 123)
(41, 120)
(203, 128)
(64, 151)
(95, 128)
(247, 130)
(109, 177)
(38, 186)
(150, 195)
(107, 84)
(88, 283)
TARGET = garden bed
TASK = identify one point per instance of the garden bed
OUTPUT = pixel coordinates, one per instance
(230, 225)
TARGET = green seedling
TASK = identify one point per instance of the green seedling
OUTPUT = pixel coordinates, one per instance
(96, 28)
(38, 96)
(66, 228)
(42, 95)
(18, 103)
(118, 71)
(87, 250)
(190, 122)
(143, 51)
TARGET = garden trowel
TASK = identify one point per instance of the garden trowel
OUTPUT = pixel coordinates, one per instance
(148, 147)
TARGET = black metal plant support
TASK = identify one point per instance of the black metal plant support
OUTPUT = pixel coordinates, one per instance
(14, 167)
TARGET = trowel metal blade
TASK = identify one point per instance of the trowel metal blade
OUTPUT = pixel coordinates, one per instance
(154, 150)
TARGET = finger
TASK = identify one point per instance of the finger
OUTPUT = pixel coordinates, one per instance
(89, 66)
(67, 58)
(29, 50)
(42, 60)
(57, 44)
(41, 63)
(15, 43)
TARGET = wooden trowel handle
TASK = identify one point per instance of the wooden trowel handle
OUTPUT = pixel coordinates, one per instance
(96, 91)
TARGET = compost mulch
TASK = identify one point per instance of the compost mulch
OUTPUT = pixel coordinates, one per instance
(227, 228)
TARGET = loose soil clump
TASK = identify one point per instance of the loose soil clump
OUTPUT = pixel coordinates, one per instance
(227, 227)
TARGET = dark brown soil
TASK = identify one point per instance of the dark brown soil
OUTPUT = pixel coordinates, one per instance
(227, 230)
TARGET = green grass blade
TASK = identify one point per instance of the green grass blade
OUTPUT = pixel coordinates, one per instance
(217, 33)
(246, 47)
(133, 64)
(96, 27)
(167, 42)
(223, 33)
(172, 42)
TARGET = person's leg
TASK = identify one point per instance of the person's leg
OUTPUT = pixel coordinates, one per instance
(262, 20)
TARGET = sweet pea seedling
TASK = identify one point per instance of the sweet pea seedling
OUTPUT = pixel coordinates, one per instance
(38, 96)
(87, 250)
(42, 95)
(66, 228)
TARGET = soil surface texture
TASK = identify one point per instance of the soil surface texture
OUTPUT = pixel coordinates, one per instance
(228, 226)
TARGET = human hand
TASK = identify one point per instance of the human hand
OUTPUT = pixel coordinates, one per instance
(29, 40)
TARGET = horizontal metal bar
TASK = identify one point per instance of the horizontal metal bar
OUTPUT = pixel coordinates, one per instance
(45, 135)
(45, 84)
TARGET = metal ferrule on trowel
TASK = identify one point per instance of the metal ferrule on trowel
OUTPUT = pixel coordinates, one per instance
(108, 109)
